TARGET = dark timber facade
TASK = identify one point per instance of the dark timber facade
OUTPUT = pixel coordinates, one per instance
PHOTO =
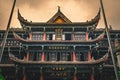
(58, 50)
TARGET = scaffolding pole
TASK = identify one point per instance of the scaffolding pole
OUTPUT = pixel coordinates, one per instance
(6, 32)
(109, 40)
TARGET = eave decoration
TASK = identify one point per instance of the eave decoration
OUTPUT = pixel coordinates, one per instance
(91, 62)
(98, 39)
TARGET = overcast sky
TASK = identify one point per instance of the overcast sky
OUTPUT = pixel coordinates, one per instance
(75, 10)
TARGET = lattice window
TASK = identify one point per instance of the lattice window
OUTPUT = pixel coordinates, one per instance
(13, 43)
(79, 37)
(48, 37)
(37, 37)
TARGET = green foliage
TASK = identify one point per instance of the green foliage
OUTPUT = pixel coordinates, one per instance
(117, 48)
(2, 77)
(119, 73)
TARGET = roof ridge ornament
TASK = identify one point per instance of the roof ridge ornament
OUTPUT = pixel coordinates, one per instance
(59, 15)
(58, 8)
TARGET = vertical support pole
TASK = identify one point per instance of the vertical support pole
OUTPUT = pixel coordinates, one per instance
(27, 56)
(30, 36)
(72, 35)
(41, 74)
(86, 36)
(24, 77)
(109, 41)
(44, 35)
(73, 55)
(41, 77)
(43, 55)
(75, 76)
(92, 74)
(16, 72)
(89, 56)
(92, 77)
(24, 74)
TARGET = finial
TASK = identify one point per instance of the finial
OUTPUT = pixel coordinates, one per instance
(18, 10)
(58, 8)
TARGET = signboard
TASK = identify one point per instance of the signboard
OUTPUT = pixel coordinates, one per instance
(58, 48)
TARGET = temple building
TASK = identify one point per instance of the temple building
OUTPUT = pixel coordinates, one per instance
(58, 49)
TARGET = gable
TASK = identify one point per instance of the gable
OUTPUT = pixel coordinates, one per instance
(59, 18)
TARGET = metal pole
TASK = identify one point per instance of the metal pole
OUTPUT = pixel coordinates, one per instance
(109, 40)
(6, 32)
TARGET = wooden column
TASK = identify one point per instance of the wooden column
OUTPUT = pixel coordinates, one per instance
(41, 74)
(16, 72)
(44, 36)
(41, 77)
(43, 55)
(92, 77)
(86, 36)
(72, 35)
(30, 36)
(89, 56)
(75, 76)
(24, 77)
(27, 56)
(24, 74)
(74, 55)
(92, 74)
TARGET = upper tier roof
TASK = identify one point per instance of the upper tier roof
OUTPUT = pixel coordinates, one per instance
(60, 19)
(78, 63)
(98, 39)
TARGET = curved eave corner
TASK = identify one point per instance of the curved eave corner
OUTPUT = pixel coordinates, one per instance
(95, 20)
(22, 21)
(98, 16)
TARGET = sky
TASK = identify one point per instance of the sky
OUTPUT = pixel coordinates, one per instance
(75, 10)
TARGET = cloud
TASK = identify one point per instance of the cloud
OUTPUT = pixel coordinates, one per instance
(75, 10)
